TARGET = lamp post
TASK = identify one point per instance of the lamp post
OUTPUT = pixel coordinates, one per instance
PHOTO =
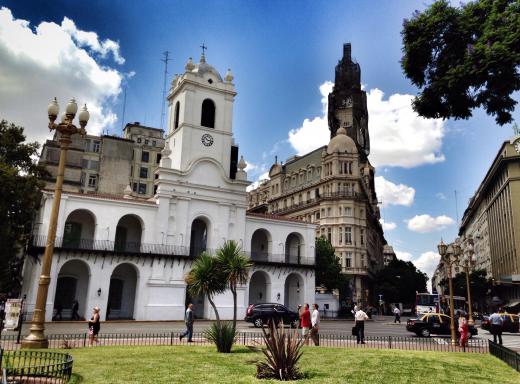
(448, 256)
(467, 262)
(36, 337)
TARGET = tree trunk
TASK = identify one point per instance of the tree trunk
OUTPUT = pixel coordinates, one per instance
(234, 292)
(215, 309)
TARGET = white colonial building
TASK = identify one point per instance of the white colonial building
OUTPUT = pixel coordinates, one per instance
(130, 255)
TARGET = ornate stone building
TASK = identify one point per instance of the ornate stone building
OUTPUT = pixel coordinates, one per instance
(333, 186)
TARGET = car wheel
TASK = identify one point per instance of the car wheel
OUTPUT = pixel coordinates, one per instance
(425, 332)
(258, 322)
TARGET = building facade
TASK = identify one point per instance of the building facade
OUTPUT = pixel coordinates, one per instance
(129, 254)
(333, 186)
(492, 219)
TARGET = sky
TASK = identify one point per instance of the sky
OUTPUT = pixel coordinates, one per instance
(282, 55)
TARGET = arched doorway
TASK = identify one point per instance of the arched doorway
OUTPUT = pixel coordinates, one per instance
(128, 234)
(293, 248)
(259, 288)
(294, 289)
(198, 304)
(199, 237)
(260, 245)
(78, 232)
(71, 291)
(122, 292)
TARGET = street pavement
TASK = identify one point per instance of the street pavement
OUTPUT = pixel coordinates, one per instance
(378, 326)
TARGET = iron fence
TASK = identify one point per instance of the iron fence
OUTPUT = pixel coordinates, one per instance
(35, 367)
(336, 340)
(505, 354)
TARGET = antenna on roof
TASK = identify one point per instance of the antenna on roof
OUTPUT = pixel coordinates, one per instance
(124, 109)
(163, 100)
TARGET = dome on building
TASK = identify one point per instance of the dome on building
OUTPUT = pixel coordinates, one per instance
(341, 143)
(202, 68)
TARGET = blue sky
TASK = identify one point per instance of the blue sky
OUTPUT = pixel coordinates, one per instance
(281, 53)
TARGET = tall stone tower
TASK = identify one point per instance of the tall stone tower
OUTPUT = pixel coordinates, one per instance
(348, 103)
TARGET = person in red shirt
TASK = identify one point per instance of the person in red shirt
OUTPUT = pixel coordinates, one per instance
(305, 321)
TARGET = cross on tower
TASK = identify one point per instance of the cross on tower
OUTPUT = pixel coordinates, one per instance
(203, 48)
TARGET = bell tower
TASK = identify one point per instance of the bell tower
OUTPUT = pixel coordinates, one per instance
(348, 102)
(200, 119)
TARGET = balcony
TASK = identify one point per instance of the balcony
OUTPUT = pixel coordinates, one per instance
(136, 248)
(322, 197)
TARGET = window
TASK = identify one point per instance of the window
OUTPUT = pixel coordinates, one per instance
(84, 163)
(176, 119)
(145, 156)
(363, 261)
(348, 235)
(131, 170)
(155, 189)
(340, 240)
(87, 145)
(348, 260)
(207, 118)
(362, 236)
(329, 212)
(329, 234)
(340, 211)
(348, 211)
(142, 189)
(143, 173)
(138, 140)
(154, 143)
(134, 187)
(94, 164)
(95, 146)
(92, 181)
(146, 142)
(158, 158)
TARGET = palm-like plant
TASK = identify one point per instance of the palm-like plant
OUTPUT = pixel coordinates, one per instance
(206, 278)
(235, 266)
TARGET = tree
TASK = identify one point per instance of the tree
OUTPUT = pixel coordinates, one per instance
(399, 281)
(19, 200)
(234, 265)
(480, 286)
(464, 58)
(206, 279)
(328, 268)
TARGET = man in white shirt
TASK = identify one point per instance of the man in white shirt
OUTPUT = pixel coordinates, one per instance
(397, 314)
(360, 318)
(315, 323)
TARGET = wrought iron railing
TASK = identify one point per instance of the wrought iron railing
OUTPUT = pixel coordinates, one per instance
(132, 247)
(505, 354)
(35, 367)
(327, 339)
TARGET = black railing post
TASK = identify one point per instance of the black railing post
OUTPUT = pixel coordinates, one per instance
(171, 338)
(389, 342)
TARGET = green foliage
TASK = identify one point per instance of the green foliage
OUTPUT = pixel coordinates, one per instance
(328, 267)
(464, 58)
(19, 200)
(235, 266)
(282, 352)
(223, 336)
(399, 281)
(480, 286)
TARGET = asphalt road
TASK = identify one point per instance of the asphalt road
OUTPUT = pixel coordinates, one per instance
(379, 326)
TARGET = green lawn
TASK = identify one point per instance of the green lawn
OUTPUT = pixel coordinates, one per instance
(200, 365)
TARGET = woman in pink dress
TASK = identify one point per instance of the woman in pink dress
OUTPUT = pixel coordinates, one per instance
(463, 330)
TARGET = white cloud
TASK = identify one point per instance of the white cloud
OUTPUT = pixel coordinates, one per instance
(390, 226)
(405, 256)
(255, 184)
(427, 223)
(393, 194)
(441, 196)
(54, 60)
(399, 137)
(250, 167)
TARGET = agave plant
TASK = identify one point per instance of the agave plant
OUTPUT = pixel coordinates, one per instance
(283, 350)
(222, 336)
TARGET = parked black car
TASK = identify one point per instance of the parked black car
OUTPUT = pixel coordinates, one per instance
(511, 323)
(259, 314)
(436, 324)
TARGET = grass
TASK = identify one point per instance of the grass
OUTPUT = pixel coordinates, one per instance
(181, 364)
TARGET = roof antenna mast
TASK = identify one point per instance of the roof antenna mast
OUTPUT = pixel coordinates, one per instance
(124, 110)
(163, 99)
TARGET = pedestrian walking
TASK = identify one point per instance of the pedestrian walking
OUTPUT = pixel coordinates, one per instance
(75, 308)
(188, 320)
(360, 318)
(305, 321)
(315, 323)
(463, 330)
(496, 326)
(397, 314)
(94, 326)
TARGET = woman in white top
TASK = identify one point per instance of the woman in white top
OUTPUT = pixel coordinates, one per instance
(315, 323)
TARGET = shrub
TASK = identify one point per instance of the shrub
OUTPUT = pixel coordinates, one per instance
(283, 351)
(222, 335)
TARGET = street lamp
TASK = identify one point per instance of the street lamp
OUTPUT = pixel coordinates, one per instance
(36, 337)
(467, 261)
(449, 254)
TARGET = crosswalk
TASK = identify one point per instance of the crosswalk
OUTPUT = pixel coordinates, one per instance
(509, 340)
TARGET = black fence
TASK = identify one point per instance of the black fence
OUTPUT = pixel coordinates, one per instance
(35, 367)
(508, 356)
(336, 340)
